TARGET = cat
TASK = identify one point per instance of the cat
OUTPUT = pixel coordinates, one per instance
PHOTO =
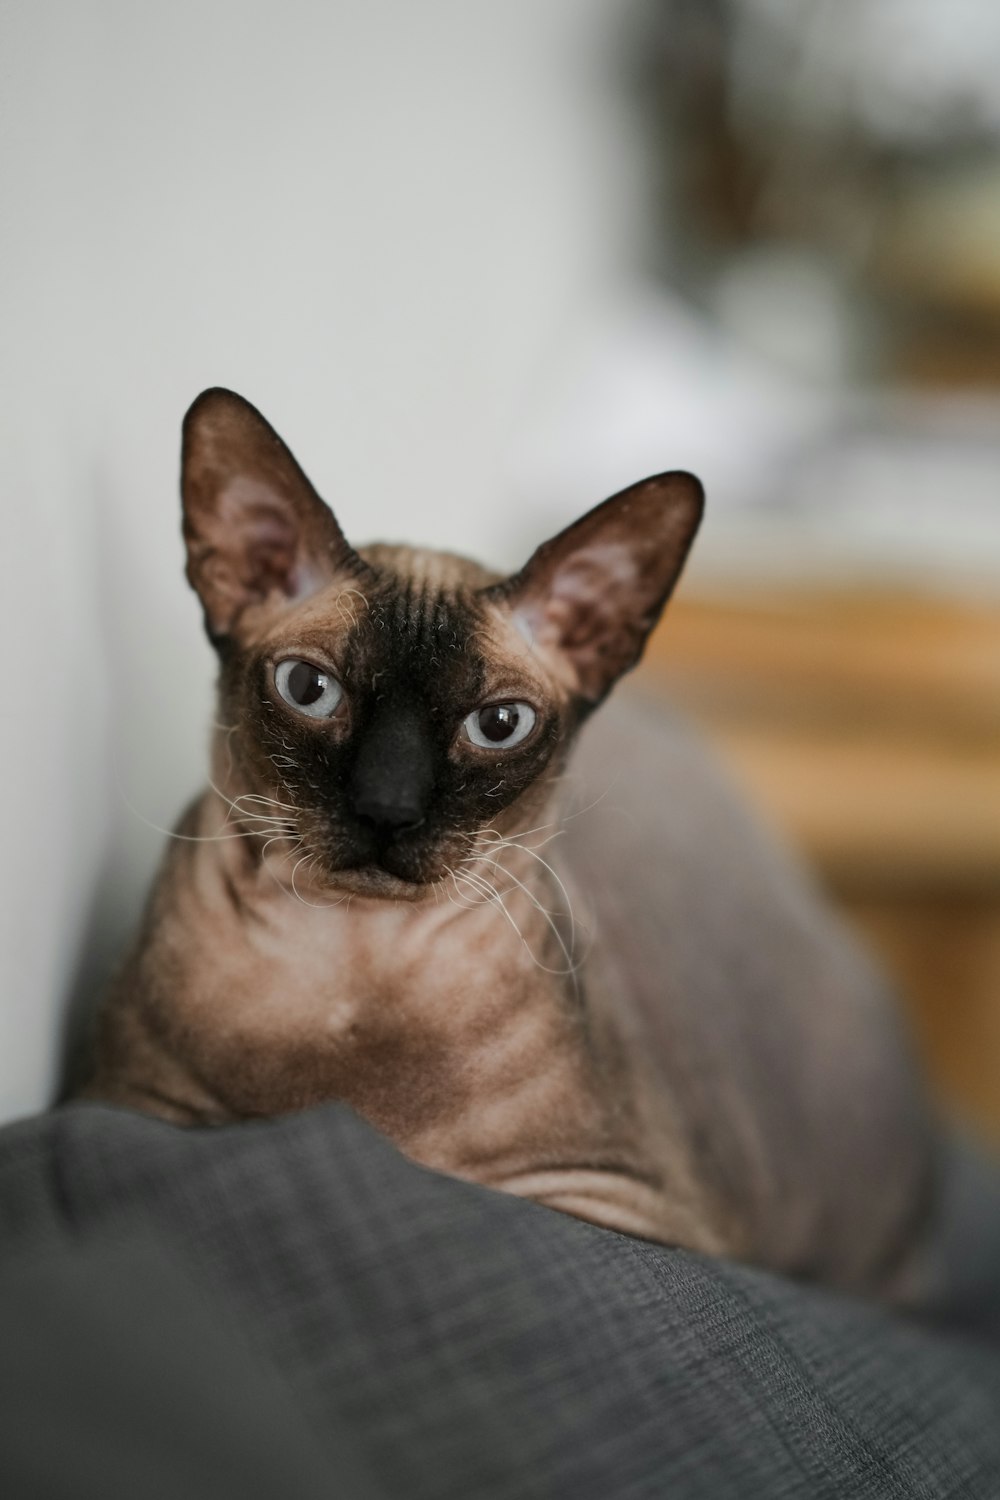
(592, 983)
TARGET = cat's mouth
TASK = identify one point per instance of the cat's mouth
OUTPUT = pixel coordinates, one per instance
(387, 869)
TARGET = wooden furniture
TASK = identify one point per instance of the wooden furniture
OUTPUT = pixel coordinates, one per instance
(867, 724)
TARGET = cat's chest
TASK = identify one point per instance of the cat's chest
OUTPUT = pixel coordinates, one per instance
(417, 1015)
(358, 967)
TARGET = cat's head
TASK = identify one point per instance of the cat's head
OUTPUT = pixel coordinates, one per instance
(398, 702)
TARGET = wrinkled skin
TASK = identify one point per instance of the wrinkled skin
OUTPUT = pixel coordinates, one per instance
(589, 980)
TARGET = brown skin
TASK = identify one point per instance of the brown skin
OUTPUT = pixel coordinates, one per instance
(364, 906)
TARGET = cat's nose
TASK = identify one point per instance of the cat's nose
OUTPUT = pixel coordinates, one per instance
(388, 816)
(393, 773)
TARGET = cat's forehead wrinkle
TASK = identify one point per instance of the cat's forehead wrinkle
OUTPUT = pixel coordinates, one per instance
(438, 621)
(416, 642)
(425, 606)
(428, 571)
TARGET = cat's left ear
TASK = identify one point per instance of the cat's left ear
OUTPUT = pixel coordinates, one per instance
(592, 594)
(254, 527)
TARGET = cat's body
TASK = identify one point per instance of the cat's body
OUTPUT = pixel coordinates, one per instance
(609, 993)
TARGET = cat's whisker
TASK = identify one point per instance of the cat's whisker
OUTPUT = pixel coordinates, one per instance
(315, 864)
(193, 838)
(514, 841)
(255, 797)
(557, 823)
(493, 896)
(453, 879)
(315, 905)
(257, 823)
(228, 730)
(261, 823)
(498, 840)
(235, 803)
(461, 901)
(466, 903)
(480, 882)
(247, 815)
(266, 801)
(263, 820)
(567, 953)
(204, 838)
(275, 839)
(294, 893)
(533, 854)
(569, 971)
(171, 833)
(297, 847)
(522, 833)
(291, 890)
(502, 843)
(475, 859)
(489, 845)
(229, 805)
(266, 865)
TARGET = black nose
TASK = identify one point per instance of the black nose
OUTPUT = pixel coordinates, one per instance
(388, 817)
(393, 772)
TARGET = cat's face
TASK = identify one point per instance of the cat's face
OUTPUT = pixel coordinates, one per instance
(396, 713)
(397, 703)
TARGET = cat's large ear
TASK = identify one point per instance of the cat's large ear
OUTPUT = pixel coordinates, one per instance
(253, 524)
(594, 592)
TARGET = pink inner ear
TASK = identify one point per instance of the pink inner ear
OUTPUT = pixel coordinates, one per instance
(595, 582)
(261, 537)
(595, 614)
(595, 591)
(590, 595)
(254, 526)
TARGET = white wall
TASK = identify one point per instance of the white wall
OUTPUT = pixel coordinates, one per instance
(378, 219)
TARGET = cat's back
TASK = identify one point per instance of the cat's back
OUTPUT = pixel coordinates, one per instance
(775, 1036)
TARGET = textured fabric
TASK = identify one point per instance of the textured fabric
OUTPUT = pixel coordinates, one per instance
(118, 1378)
(473, 1345)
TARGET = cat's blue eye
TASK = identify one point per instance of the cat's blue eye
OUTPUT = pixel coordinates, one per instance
(500, 726)
(307, 689)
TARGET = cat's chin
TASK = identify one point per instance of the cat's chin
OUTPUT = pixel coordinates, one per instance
(377, 884)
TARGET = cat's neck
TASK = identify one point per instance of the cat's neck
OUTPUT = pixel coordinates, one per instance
(504, 879)
(465, 993)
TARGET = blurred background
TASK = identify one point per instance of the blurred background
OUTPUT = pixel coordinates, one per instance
(482, 265)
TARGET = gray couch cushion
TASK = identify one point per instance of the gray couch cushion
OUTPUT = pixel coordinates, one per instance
(118, 1377)
(467, 1344)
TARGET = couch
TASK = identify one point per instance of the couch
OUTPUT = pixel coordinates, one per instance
(291, 1308)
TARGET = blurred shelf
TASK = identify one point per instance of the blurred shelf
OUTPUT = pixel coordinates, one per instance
(867, 725)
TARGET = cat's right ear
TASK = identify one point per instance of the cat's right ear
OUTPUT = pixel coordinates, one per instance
(254, 527)
(589, 597)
